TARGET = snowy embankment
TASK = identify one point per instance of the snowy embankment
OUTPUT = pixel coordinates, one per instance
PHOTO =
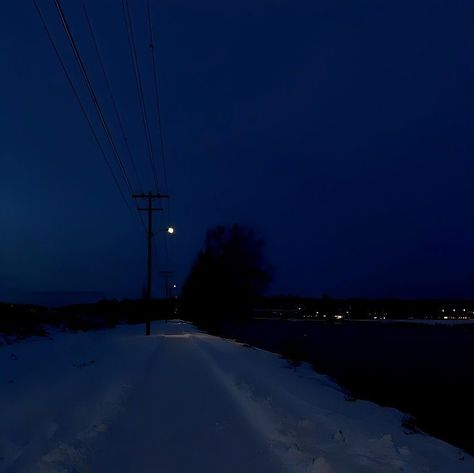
(183, 401)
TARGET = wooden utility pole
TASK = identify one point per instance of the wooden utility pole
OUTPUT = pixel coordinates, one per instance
(149, 197)
(167, 275)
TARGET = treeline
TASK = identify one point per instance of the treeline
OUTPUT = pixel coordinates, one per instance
(360, 308)
(19, 321)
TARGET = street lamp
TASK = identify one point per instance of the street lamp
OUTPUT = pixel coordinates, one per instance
(170, 230)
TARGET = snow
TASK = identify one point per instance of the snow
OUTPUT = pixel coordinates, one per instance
(184, 401)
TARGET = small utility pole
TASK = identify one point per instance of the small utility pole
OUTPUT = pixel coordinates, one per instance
(167, 275)
(149, 197)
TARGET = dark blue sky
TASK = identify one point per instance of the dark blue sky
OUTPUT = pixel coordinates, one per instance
(341, 130)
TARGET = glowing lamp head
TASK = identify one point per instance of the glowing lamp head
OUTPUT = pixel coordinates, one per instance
(170, 230)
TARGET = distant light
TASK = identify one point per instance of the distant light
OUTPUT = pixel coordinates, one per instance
(174, 285)
(170, 230)
(445, 317)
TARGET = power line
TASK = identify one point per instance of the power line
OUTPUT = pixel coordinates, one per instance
(111, 95)
(138, 80)
(83, 110)
(157, 93)
(114, 104)
(156, 85)
(90, 88)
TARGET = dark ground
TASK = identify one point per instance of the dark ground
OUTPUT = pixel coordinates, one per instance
(19, 321)
(426, 371)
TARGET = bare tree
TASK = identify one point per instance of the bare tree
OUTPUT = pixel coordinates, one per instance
(227, 276)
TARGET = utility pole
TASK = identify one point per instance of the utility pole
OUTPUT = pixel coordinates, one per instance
(149, 197)
(168, 305)
(167, 275)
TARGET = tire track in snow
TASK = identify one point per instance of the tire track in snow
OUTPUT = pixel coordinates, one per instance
(182, 418)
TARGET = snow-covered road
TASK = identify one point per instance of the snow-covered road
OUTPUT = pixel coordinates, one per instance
(182, 401)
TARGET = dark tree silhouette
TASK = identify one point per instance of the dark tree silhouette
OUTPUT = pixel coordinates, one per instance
(227, 276)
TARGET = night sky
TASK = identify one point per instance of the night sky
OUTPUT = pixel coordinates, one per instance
(342, 130)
